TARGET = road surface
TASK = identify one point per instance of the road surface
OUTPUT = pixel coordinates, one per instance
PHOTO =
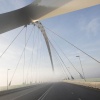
(54, 91)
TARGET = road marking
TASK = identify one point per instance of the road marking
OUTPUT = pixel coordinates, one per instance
(25, 94)
(22, 95)
(44, 95)
(79, 99)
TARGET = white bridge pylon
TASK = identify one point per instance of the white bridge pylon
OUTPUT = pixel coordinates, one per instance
(41, 28)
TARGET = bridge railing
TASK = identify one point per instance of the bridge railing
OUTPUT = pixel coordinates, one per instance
(4, 88)
(92, 83)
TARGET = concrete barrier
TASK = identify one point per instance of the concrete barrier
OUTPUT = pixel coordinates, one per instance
(15, 90)
(95, 85)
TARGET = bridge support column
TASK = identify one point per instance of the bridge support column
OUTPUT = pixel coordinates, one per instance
(41, 28)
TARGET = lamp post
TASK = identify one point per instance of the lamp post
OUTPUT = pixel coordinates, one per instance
(81, 67)
(7, 78)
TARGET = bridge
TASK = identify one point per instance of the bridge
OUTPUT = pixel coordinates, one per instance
(41, 63)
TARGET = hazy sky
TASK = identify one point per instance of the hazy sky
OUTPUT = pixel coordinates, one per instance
(82, 28)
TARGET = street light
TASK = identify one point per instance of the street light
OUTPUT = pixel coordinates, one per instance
(81, 67)
(7, 78)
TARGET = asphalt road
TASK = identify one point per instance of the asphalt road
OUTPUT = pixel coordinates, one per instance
(55, 91)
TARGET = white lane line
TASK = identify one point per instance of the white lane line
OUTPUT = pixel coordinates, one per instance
(79, 99)
(41, 98)
(25, 94)
(22, 95)
(44, 95)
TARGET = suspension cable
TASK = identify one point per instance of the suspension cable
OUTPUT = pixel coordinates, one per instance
(12, 42)
(24, 55)
(31, 58)
(73, 45)
(32, 54)
(69, 60)
(20, 58)
(61, 59)
(37, 56)
(58, 60)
